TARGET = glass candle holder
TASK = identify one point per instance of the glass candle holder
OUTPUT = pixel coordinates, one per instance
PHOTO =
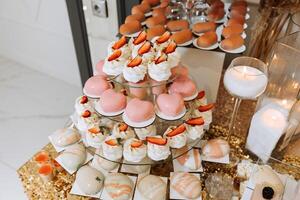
(277, 114)
(245, 78)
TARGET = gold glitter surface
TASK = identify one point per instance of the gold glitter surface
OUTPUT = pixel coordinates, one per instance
(60, 187)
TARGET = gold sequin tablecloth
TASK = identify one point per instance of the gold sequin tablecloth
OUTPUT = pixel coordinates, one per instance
(60, 187)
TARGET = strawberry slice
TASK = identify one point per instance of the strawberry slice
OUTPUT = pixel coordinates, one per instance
(176, 131)
(161, 59)
(136, 144)
(116, 54)
(156, 140)
(84, 99)
(201, 94)
(145, 48)
(206, 107)
(170, 48)
(120, 43)
(135, 62)
(164, 37)
(94, 130)
(195, 121)
(123, 127)
(140, 38)
(86, 114)
(112, 142)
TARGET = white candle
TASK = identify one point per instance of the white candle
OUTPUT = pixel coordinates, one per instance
(267, 126)
(245, 82)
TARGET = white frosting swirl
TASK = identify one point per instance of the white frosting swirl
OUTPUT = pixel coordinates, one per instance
(142, 133)
(194, 132)
(135, 74)
(159, 72)
(158, 152)
(176, 141)
(174, 59)
(96, 139)
(114, 67)
(134, 154)
(129, 133)
(112, 152)
(80, 108)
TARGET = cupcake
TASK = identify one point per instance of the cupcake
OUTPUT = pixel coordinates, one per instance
(176, 136)
(145, 51)
(139, 111)
(194, 128)
(170, 105)
(122, 45)
(157, 148)
(162, 42)
(135, 70)
(135, 43)
(83, 103)
(159, 69)
(114, 64)
(111, 102)
(134, 150)
(123, 131)
(183, 86)
(96, 135)
(95, 86)
(87, 120)
(142, 133)
(205, 111)
(112, 149)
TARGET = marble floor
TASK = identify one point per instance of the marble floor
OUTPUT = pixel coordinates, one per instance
(32, 106)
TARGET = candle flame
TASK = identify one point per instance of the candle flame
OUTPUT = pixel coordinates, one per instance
(284, 102)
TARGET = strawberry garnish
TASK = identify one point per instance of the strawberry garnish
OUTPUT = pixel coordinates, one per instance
(86, 114)
(116, 54)
(156, 140)
(84, 99)
(201, 94)
(136, 143)
(145, 48)
(111, 142)
(119, 43)
(94, 130)
(170, 48)
(123, 127)
(176, 131)
(195, 121)
(206, 107)
(140, 38)
(135, 62)
(161, 59)
(164, 37)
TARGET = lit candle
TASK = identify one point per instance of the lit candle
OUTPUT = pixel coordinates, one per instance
(245, 82)
(267, 126)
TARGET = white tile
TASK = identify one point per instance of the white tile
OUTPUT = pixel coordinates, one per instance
(32, 106)
(10, 184)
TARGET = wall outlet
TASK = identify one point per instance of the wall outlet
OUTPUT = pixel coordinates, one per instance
(99, 8)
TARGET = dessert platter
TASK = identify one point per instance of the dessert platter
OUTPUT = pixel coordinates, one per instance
(223, 27)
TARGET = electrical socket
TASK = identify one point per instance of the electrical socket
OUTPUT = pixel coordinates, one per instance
(99, 8)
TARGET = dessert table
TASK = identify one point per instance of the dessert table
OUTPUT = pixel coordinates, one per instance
(208, 70)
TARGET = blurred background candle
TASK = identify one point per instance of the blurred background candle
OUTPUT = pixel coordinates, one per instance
(267, 126)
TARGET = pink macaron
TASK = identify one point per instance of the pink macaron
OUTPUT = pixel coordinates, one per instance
(112, 101)
(139, 111)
